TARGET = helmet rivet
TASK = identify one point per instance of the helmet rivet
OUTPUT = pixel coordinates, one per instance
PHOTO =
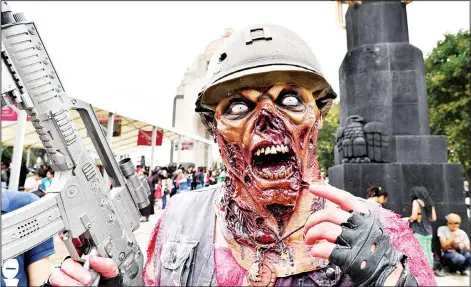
(222, 57)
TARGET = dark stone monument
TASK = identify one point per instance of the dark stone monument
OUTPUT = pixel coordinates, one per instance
(384, 137)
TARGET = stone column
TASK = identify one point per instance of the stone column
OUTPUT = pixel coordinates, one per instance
(382, 79)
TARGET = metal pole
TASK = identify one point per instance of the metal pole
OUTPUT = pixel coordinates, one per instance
(152, 150)
(28, 157)
(179, 150)
(18, 151)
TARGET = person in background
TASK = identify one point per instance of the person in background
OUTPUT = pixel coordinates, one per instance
(184, 182)
(377, 194)
(174, 176)
(423, 214)
(213, 178)
(31, 182)
(222, 175)
(148, 210)
(5, 172)
(192, 173)
(158, 191)
(455, 245)
(23, 173)
(41, 176)
(199, 178)
(33, 267)
(46, 182)
(167, 185)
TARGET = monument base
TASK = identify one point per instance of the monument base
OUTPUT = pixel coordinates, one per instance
(444, 181)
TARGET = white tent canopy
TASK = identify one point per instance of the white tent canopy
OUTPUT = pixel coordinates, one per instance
(127, 140)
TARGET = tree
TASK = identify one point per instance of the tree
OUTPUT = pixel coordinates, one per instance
(448, 76)
(326, 138)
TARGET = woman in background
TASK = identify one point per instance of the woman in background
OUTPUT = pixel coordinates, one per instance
(423, 214)
(377, 194)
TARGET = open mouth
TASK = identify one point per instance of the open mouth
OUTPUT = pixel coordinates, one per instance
(273, 161)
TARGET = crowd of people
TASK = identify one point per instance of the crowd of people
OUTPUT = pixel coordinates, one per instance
(453, 255)
(167, 181)
(36, 180)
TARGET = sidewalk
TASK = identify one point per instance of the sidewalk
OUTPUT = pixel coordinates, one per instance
(144, 232)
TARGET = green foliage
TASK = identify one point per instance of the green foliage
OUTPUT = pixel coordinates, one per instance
(326, 138)
(448, 76)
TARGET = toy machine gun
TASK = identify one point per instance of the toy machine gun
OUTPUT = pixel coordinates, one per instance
(79, 203)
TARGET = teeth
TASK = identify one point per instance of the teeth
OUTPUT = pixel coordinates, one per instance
(274, 149)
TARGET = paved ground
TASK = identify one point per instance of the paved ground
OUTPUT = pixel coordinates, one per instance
(144, 232)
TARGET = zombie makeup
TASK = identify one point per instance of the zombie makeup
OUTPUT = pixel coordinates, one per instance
(267, 139)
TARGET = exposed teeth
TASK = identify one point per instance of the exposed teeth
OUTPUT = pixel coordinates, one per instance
(272, 176)
(274, 149)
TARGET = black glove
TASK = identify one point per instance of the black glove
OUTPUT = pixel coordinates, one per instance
(111, 282)
(360, 235)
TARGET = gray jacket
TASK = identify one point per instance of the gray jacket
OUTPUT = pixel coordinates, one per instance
(185, 245)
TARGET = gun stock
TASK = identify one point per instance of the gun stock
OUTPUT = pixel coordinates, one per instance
(79, 203)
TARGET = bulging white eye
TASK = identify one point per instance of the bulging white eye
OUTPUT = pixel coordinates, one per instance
(290, 101)
(237, 109)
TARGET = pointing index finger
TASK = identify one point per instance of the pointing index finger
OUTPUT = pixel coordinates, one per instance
(343, 199)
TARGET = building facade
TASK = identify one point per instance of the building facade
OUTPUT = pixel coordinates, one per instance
(185, 119)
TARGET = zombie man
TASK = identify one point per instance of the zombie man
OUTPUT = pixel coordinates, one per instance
(273, 222)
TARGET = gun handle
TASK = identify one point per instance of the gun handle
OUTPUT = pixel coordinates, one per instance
(95, 275)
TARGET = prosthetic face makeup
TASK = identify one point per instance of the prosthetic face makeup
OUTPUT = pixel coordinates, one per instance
(267, 139)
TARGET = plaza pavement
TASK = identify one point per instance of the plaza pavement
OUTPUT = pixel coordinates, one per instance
(144, 232)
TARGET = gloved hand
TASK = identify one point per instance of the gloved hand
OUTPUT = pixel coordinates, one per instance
(357, 242)
(73, 273)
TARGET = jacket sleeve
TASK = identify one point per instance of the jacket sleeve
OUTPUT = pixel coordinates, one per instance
(403, 239)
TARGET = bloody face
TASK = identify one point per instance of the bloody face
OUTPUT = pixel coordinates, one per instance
(267, 139)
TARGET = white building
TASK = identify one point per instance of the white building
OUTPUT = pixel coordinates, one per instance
(185, 118)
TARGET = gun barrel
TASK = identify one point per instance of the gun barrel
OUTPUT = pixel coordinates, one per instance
(139, 187)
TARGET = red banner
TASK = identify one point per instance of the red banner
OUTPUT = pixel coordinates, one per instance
(9, 115)
(145, 138)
